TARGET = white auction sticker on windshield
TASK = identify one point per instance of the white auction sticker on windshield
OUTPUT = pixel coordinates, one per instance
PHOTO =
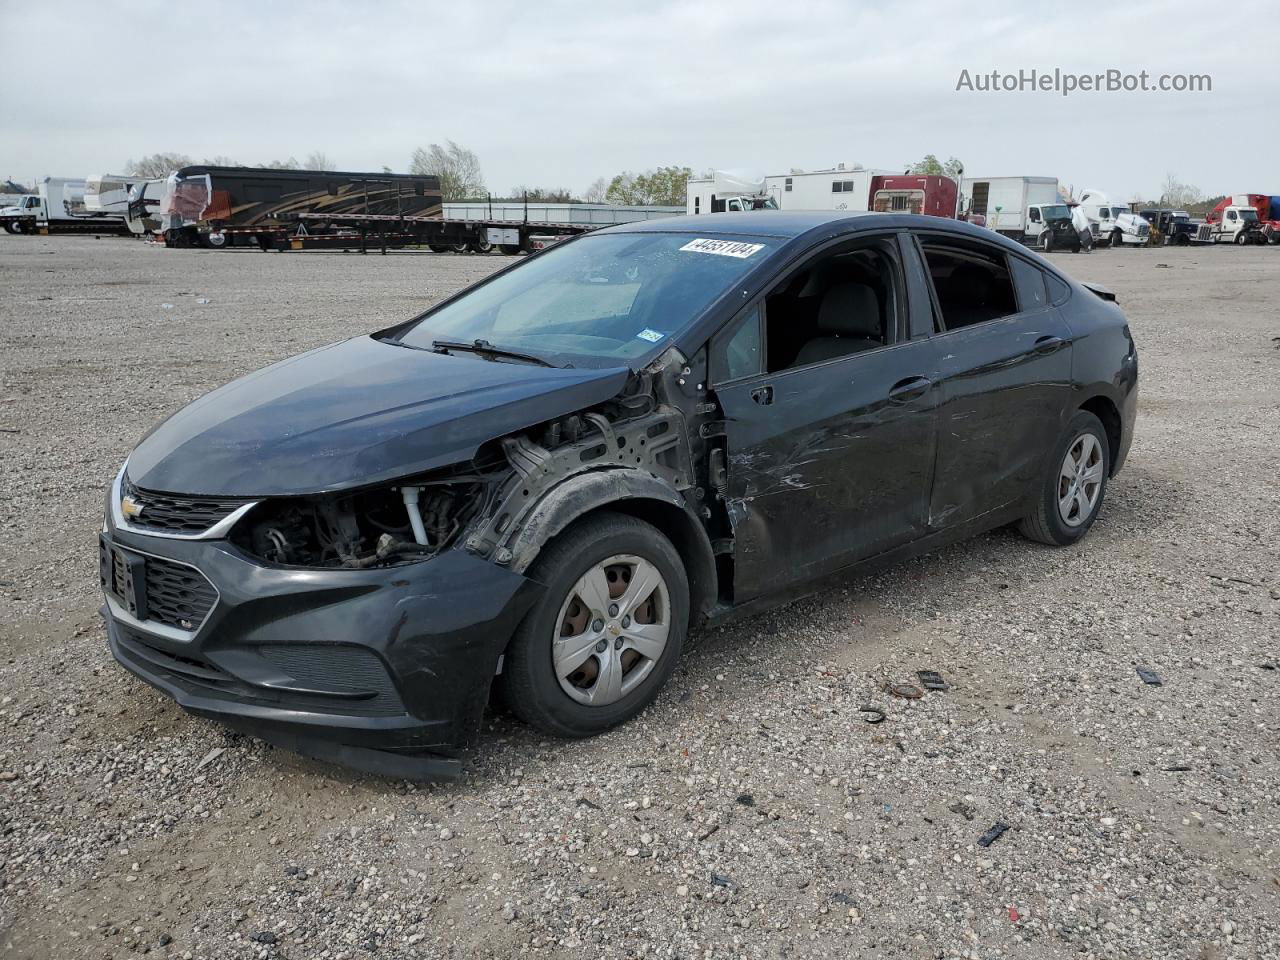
(653, 336)
(723, 248)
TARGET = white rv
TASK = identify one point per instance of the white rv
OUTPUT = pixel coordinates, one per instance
(1113, 223)
(108, 193)
(835, 189)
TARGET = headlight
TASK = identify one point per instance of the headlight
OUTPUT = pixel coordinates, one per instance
(381, 526)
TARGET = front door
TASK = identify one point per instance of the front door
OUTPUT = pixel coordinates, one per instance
(830, 432)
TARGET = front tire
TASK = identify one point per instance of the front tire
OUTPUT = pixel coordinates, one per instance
(1117, 238)
(607, 632)
(1074, 485)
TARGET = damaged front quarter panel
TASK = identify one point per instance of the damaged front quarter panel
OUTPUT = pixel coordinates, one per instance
(637, 447)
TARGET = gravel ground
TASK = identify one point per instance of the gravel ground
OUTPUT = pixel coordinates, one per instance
(751, 812)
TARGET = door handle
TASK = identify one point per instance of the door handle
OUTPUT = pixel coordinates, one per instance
(1048, 344)
(763, 395)
(909, 389)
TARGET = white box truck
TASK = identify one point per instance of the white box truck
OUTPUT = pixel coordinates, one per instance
(61, 209)
(1027, 209)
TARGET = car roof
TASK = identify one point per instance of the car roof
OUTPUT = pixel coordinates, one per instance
(794, 224)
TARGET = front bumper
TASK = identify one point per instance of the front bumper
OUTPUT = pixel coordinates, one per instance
(360, 667)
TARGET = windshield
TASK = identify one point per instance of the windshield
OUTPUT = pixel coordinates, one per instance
(1056, 211)
(608, 298)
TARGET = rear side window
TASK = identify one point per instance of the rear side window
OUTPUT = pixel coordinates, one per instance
(1058, 290)
(972, 284)
(1029, 281)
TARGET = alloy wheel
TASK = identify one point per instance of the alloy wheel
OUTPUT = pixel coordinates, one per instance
(1080, 480)
(612, 629)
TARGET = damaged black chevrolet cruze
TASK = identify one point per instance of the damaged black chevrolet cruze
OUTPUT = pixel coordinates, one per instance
(546, 481)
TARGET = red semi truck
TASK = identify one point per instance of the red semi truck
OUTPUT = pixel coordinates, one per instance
(1266, 207)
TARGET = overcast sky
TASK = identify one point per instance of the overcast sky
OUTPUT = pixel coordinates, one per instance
(558, 94)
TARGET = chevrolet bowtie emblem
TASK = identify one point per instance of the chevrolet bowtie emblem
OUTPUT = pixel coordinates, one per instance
(130, 507)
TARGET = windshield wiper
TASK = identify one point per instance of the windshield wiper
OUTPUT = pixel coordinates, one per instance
(484, 348)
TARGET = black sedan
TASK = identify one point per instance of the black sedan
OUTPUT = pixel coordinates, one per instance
(546, 481)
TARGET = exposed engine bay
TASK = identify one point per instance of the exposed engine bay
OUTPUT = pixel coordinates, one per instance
(372, 528)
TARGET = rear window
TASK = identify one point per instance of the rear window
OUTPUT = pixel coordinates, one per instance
(972, 284)
(1030, 284)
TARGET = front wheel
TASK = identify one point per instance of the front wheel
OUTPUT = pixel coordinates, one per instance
(607, 632)
(1074, 484)
(1117, 238)
(1242, 238)
(1046, 241)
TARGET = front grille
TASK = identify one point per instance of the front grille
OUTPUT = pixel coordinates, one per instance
(352, 667)
(177, 595)
(156, 590)
(175, 513)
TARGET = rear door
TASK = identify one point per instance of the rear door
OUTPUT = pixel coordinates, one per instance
(1004, 355)
(829, 424)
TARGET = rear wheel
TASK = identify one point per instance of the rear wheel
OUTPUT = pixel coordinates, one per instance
(458, 247)
(216, 240)
(1074, 484)
(437, 248)
(510, 249)
(606, 633)
(482, 245)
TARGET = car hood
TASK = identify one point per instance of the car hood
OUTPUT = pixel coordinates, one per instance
(350, 414)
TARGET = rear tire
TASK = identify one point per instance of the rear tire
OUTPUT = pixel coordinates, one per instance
(511, 249)
(480, 246)
(1074, 484)
(437, 248)
(555, 667)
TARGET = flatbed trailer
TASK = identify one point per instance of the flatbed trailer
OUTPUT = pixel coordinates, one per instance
(362, 232)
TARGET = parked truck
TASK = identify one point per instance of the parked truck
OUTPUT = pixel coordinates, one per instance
(726, 192)
(931, 195)
(1113, 222)
(1027, 209)
(60, 208)
(18, 209)
(1244, 218)
(1171, 227)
